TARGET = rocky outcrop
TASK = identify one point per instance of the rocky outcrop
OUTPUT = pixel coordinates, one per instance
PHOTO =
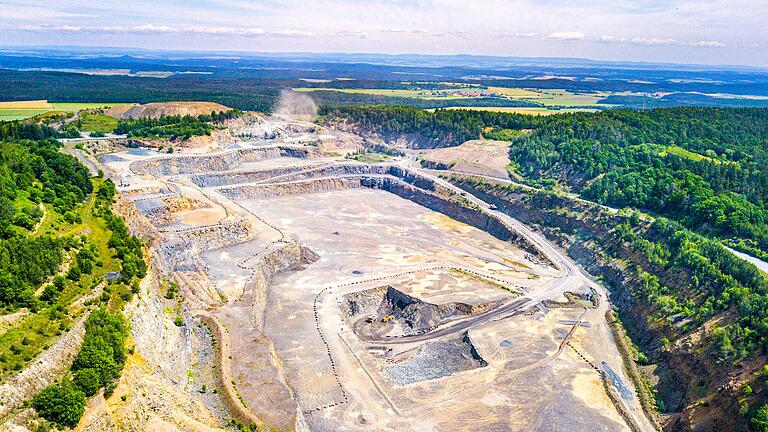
(248, 192)
(287, 174)
(278, 258)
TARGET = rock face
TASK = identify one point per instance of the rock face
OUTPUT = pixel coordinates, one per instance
(158, 109)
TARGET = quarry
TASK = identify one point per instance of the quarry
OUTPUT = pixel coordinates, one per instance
(324, 293)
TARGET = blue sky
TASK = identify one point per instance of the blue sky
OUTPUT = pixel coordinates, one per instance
(682, 31)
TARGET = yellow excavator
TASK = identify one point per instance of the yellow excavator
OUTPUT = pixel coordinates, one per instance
(388, 318)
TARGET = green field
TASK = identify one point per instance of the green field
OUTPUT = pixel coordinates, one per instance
(565, 100)
(679, 151)
(20, 110)
(560, 98)
(97, 123)
(446, 94)
(526, 110)
(18, 114)
(370, 157)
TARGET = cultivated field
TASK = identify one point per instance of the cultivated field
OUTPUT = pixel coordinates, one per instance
(527, 110)
(552, 101)
(19, 110)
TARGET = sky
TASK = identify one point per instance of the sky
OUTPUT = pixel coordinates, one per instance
(679, 31)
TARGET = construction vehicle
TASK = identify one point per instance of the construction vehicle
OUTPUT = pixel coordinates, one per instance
(388, 318)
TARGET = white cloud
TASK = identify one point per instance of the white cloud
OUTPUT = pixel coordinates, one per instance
(660, 42)
(518, 35)
(349, 34)
(566, 36)
(708, 44)
(653, 41)
(162, 29)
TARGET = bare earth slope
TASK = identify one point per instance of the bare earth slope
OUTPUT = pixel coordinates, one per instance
(487, 158)
(159, 109)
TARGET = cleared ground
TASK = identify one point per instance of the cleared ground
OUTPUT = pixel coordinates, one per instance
(483, 157)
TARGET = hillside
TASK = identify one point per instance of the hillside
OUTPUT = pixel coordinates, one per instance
(68, 265)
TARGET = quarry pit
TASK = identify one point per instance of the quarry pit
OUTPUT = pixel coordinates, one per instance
(365, 297)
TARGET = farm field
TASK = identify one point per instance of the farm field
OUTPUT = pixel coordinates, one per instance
(19, 110)
(444, 94)
(552, 97)
(526, 110)
(547, 98)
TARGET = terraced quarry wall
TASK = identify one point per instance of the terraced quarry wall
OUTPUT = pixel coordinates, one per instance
(393, 179)
(219, 162)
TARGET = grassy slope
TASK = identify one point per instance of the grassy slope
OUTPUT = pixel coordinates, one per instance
(98, 123)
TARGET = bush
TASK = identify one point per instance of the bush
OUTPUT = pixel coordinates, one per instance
(103, 348)
(87, 380)
(760, 420)
(60, 404)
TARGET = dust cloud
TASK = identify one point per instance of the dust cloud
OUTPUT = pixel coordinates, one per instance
(291, 103)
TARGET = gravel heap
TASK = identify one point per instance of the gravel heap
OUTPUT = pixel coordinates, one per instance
(436, 359)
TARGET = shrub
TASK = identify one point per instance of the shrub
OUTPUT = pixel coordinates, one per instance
(87, 380)
(760, 420)
(103, 348)
(60, 404)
